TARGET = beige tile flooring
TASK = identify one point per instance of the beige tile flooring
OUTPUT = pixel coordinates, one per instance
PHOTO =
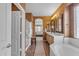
(39, 51)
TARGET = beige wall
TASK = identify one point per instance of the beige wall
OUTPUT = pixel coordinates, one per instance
(66, 22)
(71, 20)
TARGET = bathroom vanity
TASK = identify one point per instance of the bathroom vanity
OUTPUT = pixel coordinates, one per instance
(55, 41)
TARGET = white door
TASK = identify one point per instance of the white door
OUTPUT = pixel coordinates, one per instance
(5, 29)
(16, 37)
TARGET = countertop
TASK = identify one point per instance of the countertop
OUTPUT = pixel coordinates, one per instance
(55, 34)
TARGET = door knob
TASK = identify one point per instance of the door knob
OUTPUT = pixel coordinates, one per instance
(9, 45)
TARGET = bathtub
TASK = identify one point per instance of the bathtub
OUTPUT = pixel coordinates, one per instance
(69, 50)
(68, 47)
(65, 50)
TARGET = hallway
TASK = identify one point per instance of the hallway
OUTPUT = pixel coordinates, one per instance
(39, 51)
(32, 29)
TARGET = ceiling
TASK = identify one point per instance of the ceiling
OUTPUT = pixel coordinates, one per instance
(41, 9)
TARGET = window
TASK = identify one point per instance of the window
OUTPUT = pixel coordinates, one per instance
(38, 29)
(76, 21)
(38, 26)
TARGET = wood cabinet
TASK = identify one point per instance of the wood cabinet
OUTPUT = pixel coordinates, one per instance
(33, 40)
(49, 38)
